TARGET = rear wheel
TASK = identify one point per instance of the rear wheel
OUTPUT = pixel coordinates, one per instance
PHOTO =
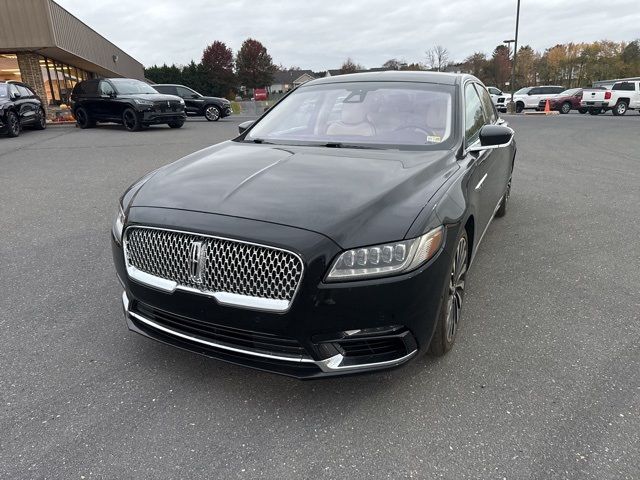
(595, 111)
(583, 110)
(176, 124)
(451, 306)
(41, 120)
(83, 119)
(519, 107)
(565, 108)
(13, 124)
(212, 113)
(620, 108)
(131, 121)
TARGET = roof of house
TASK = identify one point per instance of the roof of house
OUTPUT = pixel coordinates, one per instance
(287, 77)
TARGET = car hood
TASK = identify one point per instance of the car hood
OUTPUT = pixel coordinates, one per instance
(216, 99)
(355, 197)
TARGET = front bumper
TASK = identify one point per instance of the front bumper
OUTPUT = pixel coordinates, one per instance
(153, 117)
(324, 333)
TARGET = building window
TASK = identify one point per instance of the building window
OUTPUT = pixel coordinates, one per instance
(9, 69)
(59, 80)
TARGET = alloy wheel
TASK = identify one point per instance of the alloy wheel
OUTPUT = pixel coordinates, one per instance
(621, 108)
(129, 120)
(14, 125)
(566, 107)
(81, 117)
(212, 113)
(456, 289)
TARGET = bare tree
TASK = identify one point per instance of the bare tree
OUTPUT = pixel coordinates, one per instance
(437, 58)
(349, 66)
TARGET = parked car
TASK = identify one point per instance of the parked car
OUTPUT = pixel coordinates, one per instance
(260, 94)
(623, 96)
(130, 102)
(20, 107)
(529, 97)
(316, 244)
(564, 102)
(499, 98)
(212, 108)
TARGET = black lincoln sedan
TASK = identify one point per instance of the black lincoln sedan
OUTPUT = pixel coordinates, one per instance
(128, 101)
(332, 236)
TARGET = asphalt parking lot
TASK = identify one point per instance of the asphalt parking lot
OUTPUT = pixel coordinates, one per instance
(543, 383)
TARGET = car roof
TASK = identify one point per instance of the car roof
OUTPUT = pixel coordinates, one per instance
(395, 76)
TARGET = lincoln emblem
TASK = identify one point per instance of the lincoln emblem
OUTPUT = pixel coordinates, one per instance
(197, 255)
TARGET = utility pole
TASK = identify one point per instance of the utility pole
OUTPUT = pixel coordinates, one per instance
(511, 108)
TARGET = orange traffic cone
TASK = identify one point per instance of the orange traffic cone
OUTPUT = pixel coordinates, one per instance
(547, 108)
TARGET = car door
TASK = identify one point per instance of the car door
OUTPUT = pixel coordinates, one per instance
(106, 104)
(482, 178)
(194, 103)
(26, 109)
(635, 96)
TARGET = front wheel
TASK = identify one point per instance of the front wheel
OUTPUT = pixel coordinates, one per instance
(212, 113)
(176, 124)
(565, 108)
(131, 120)
(41, 120)
(620, 109)
(583, 110)
(451, 306)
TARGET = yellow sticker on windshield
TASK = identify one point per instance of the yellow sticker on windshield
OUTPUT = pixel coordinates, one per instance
(434, 139)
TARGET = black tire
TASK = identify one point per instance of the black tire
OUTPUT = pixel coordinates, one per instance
(131, 120)
(594, 111)
(502, 209)
(519, 107)
(13, 124)
(620, 108)
(176, 124)
(212, 113)
(83, 118)
(583, 110)
(452, 298)
(41, 120)
(565, 108)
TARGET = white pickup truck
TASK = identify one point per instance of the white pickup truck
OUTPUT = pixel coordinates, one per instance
(623, 96)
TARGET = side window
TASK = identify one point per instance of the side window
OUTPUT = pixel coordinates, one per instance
(535, 91)
(627, 86)
(474, 118)
(487, 104)
(106, 88)
(13, 90)
(494, 91)
(24, 92)
(184, 92)
(90, 87)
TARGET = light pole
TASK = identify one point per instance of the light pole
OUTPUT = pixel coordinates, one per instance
(512, 106)
(508, 44)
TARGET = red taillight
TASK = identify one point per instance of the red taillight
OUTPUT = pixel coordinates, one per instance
(607, 95)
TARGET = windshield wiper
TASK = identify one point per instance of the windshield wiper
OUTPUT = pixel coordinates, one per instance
(348, 145)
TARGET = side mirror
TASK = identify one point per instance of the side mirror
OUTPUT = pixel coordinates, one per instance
(16, 96)
(193, 95)
(493, 136)
(244, 126)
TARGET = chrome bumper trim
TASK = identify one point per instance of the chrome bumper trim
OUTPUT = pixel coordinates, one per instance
(329, 365)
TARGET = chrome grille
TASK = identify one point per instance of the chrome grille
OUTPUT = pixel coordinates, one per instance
(229, 266)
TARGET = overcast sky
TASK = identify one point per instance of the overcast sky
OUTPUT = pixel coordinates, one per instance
(320, 34)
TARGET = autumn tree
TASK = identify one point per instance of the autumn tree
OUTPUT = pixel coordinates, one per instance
(217, 61)
(476, 64)
(349, 66)
(499, 68)
(437, 58)
(254, 66)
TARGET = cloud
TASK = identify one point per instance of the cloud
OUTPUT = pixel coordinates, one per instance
(320, 34)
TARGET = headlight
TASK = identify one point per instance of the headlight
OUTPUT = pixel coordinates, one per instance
(386, 259)
(118, 225)
(146, 103)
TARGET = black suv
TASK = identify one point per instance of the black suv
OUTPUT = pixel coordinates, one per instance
(127, 101)
(213, 108)
(20, 107)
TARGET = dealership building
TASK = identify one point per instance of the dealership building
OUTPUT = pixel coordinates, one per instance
(44, 46)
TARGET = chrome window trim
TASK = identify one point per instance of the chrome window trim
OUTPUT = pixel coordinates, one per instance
(223, 298)
(328, 365)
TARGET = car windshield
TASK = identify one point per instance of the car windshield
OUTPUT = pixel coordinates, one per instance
(4, 90)
(361, 114)
(126, 86)
(570, 92)
(523, 91)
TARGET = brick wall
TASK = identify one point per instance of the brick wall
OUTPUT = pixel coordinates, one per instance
(29, 64)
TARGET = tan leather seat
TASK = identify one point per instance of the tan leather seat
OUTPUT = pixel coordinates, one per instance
(353, 122)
